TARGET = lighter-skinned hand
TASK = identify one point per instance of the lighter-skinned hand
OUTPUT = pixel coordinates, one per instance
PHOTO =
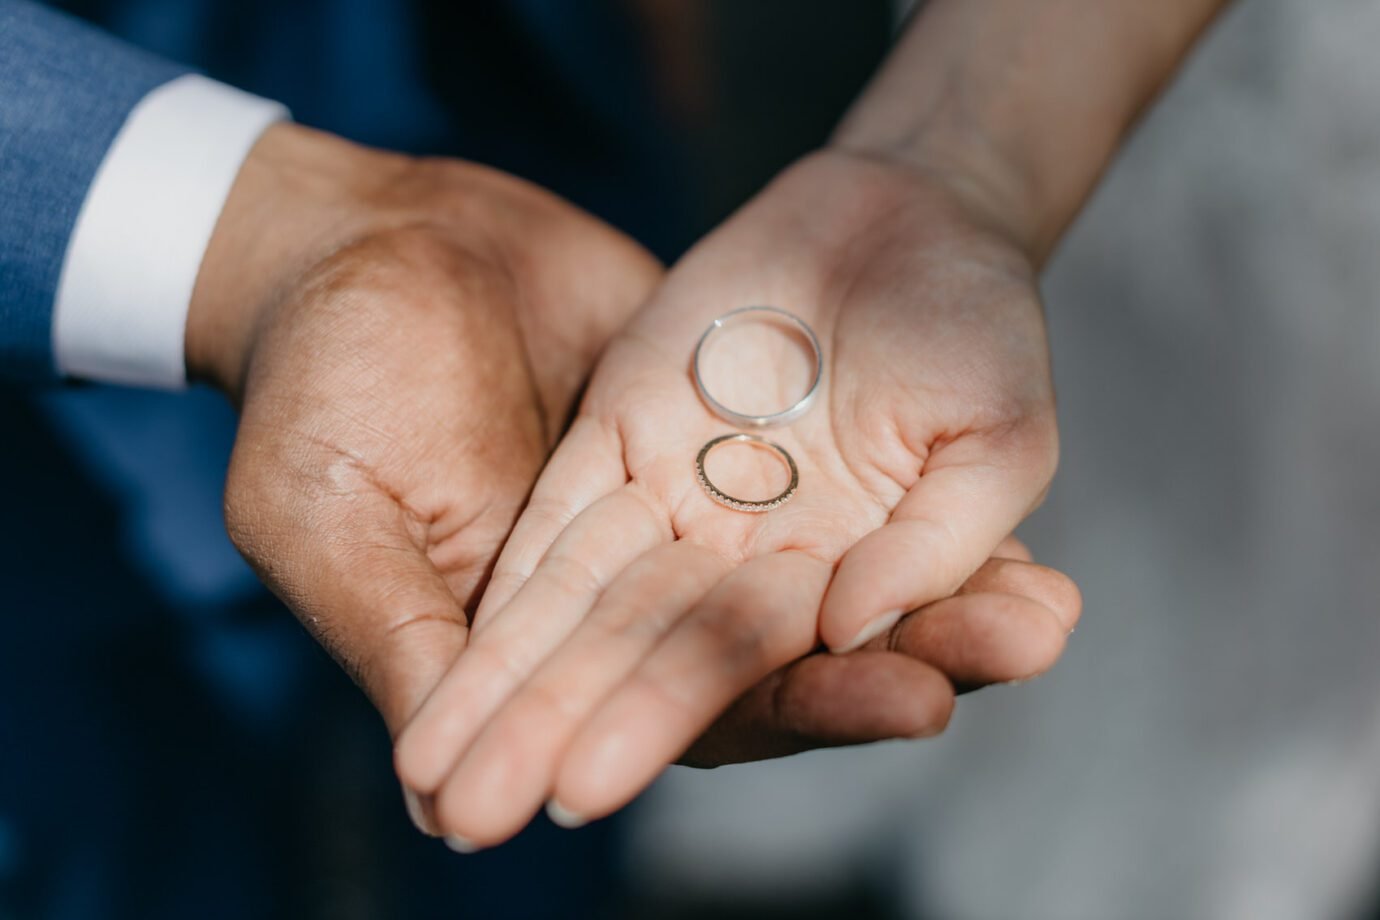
(628, 611)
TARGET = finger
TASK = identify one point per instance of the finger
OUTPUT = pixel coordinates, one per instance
(944, 528)
(980, 639)
(829, 701)
(1013, 548)
(891, 688)
(583, 560)
(586, 466)
(1049, 587)
(759, 617)
(507, 774)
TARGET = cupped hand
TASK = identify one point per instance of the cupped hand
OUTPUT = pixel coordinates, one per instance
(406, 340)
(898, 685)
(628, 611)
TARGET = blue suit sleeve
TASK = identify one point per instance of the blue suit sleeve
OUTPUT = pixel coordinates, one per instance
(65, 90)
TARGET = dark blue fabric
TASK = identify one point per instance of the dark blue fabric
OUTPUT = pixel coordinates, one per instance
(65, 90)
(160, 762)
(553, 90)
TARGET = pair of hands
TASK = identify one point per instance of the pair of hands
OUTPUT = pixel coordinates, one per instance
(407, 339)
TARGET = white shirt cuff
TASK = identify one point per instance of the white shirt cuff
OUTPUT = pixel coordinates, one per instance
(126, 284)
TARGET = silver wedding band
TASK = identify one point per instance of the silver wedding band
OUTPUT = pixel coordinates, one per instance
(743, 420)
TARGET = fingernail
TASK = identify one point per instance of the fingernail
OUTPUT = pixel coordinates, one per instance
(416, 812)
(871, 631)
(460, 844)
(564, 817)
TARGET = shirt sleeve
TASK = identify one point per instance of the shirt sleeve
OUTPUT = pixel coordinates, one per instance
(114, 165)
(120, 311)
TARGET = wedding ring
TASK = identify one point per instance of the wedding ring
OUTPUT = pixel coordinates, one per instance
(742, 504)
(785, 416)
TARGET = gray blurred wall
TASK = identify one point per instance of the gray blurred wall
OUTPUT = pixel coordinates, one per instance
(1210, 745)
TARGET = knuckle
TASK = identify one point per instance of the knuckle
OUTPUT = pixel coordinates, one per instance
(547, 511)
(541, 704)
(504, 660)
(573, 576)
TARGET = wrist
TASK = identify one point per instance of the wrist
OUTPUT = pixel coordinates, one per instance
(957, 153)
(299, 196)
(1022, 105)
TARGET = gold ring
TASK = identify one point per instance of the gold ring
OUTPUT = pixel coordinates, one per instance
(741, 504)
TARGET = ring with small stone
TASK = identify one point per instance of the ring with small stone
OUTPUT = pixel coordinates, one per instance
(743, 504)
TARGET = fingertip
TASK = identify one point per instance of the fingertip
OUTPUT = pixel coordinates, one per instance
(462, 845)
(1028, 637)
(1045, 642)
(937, 715)
(870, 630)
(1050, 587)
(615, 757)
(564, 817)
(901, 566)
(458, 825)
(414, 763)
(841, 616)
(863, 697)
(1065, 599)
(418, 813)
(588, 784)
(981, 639)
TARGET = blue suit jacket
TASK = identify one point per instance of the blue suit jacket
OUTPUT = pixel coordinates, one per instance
(171, 744)
(65, 90)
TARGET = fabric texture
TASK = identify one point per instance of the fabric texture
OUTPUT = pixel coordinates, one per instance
(65, 91)
(121, 310)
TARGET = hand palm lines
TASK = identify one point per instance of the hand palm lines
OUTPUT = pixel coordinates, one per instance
(566, 570)
(843, 492)
(628, 609)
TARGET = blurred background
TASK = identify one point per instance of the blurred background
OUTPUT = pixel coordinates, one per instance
(172, 745)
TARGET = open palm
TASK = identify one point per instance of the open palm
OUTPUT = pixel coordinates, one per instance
(628, 610)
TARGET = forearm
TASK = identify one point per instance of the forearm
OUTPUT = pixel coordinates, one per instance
(1023, 102)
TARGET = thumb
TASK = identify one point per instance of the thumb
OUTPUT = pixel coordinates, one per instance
(943, 529)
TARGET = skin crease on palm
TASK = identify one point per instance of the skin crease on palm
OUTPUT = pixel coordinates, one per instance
(628, 611)
(405, 339)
